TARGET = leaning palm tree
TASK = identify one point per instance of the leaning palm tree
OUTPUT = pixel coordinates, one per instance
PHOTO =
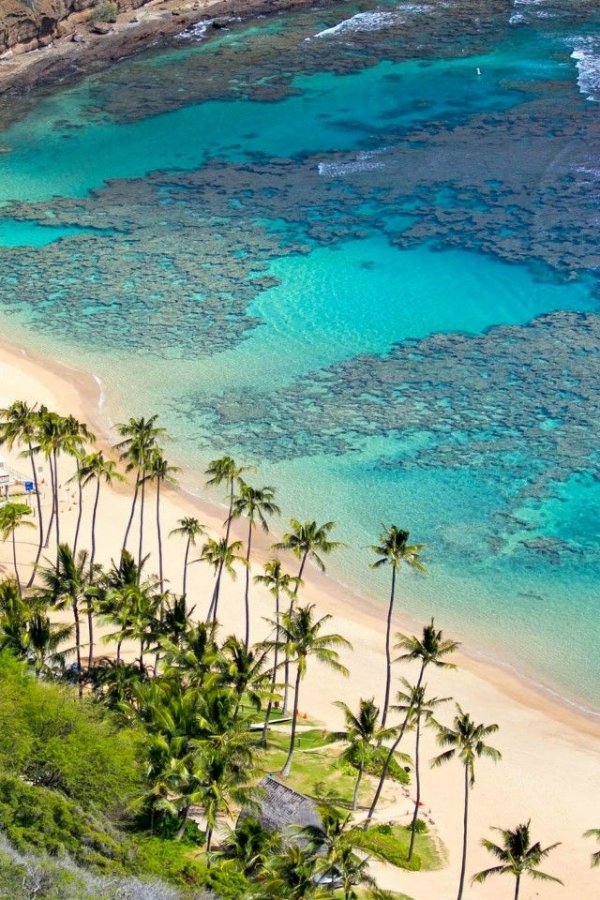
(308, 540)
(190, 528)
(140, 440)
(422, 709)
(255, 504)
(95, 467)
(278, 582)
(19, 425)
(221, 556)
(466, 741)
(362, 734)
(394, 550)
(302, 638)
(594, 833)
(517, 857)
(431, 649)
(13, 516)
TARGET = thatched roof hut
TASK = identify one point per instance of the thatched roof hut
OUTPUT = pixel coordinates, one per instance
(280, 808)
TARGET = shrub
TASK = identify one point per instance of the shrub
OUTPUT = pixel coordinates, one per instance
(106, 11)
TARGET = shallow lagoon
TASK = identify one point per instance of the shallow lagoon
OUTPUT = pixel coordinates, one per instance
(372, 273)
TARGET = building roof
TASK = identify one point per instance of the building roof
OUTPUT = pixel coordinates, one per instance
(280, 808)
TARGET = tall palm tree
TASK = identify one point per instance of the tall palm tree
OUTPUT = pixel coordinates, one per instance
(77, 435)
(95, 467)
(594, 833)
(190, 528)
(302, 638)
(52, 437)
(244, 671)
(226, 471)
(422, 709)
(160, 471)
(255, 504)
(518, 857)
(431, 649)
(19, 425)
(221, 556)
(140, 440)
(466, 741)
(13, 516)
(362, 732)
(394, 550)
(278, 582)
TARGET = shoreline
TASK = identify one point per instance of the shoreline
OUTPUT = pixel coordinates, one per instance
(551, 754)
(65, 60)
(88, 393)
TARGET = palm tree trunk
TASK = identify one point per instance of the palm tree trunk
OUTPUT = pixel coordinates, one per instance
(159, 536)
(90, 621)
(185, 568)
(94, 514)
(55, 455)
(131, 514)
(247, 587)
(78, 648)
(142, 655)
(388, 653)
(288, 763)
(357, 785)
(517, 886)
(209, 834)
(79, 510)
(119, 643)
(39, 512)
(390, 756)
(181, 829)
(286, 669)
(274, 676)
(14, 548)
(141, 540)
(214, 604)
(53, 492)
(463, 865)
(413, 824)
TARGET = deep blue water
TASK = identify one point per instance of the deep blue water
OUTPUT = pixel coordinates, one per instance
(357, 247)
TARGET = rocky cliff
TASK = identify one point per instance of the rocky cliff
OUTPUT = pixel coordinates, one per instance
(28, 24)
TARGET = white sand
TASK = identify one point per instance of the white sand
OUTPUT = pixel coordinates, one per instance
(550, 770)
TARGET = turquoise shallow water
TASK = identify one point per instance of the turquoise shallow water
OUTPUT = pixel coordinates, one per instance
(373, 274)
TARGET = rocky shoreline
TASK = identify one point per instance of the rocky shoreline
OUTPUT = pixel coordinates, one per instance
(78, 48)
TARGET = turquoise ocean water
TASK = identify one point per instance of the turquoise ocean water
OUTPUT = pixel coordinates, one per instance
(356, 246)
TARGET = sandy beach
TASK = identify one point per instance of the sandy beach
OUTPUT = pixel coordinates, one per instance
(551, 755)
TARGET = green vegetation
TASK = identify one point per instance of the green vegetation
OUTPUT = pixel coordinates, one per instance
(391, 844)
(105, 12)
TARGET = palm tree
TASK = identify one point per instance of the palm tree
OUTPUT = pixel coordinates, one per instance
(226, 471)
(243, 670)
(292, 874)
(95, 467)
(70, 584)
(19, 425)
(334, 844)
(302, 639)
(55, 436)
(431, 649)
(422, 709)
(393, 550)
(160, 471)
(190, 528)
(254, 503)
(220, 555)
(13, 516)
(594, 833)
(14, 619)
(193, 658)
(467, 741)
(44, 640)
(517, 857)
(362, 732)
(278, 582)
(308, 540)
(140, 440)
(77, 434)
(226, 766)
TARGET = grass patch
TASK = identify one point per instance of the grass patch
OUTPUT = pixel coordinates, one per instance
(390, 843)
(318, 773)
(305, 740)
